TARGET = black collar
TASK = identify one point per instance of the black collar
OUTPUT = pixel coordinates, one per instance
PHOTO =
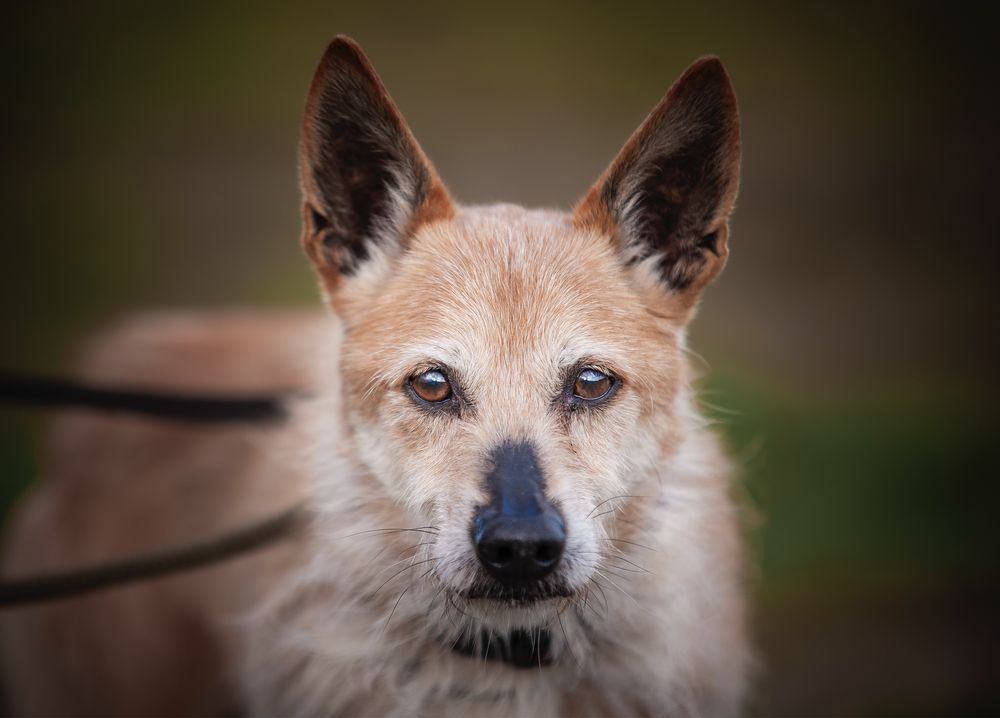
(519, 648)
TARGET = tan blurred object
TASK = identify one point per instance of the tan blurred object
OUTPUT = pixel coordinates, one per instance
(117, 487)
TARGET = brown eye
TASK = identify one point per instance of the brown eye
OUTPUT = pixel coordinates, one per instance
(592, 384)
(431, 386)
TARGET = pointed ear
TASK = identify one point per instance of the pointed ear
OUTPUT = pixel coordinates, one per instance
(666, 198)
(366, 183)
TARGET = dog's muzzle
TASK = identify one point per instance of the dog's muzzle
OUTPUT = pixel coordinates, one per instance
(519, 536)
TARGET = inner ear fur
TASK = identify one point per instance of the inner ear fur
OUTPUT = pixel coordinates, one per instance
(666, 198)
(365, 181)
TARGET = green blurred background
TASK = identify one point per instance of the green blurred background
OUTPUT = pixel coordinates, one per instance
(148, 159)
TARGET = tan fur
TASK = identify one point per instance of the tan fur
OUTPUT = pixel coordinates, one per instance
(349, 623)
(120, 485)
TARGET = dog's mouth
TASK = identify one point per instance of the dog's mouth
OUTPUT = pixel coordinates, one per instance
(518, 595)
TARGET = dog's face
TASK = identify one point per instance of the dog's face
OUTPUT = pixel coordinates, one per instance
(508, 373)
(504, 378)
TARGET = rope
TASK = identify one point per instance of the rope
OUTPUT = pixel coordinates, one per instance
(27, 390)
(33, 391)
(67, 584)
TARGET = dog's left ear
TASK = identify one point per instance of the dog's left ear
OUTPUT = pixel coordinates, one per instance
(666, 198)
(366, 183)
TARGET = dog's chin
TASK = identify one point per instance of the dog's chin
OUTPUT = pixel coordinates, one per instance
(525, 595)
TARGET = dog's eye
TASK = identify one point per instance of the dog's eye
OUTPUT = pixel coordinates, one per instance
(592, 384)
(431, 386)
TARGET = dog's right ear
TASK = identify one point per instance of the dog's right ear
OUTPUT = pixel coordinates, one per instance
(665, 200)
(366, 183)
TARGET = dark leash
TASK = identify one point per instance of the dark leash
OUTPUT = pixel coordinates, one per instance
(67, 584)
(32, 391)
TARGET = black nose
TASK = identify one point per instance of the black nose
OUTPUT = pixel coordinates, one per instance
(518, 551)
(519, 536)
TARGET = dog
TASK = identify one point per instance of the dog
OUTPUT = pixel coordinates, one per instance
(515, 507)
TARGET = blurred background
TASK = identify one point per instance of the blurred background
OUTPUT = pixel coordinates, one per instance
(850, 348)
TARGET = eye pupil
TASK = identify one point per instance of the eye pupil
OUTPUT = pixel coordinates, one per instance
(431, 386)
(591, 384)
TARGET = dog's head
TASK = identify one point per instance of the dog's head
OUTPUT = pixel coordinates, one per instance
(508, 374)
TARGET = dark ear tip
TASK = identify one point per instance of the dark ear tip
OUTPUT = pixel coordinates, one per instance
(711, 63)
(706, 74)
(342, 58)
(708, 66)
(343, 46)
(342, 50)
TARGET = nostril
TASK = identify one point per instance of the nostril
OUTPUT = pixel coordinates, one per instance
(497, 554)
(502, 555)
(547, 554)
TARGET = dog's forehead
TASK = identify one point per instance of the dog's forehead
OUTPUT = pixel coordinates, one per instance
(506, 286)
(516, 264)
(518, 272)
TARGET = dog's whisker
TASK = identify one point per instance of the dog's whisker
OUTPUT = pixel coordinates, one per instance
(604, 596)
(587, 604)
(489, 643)
(620, 589)
(451, 600)
(621, 496)
(567, 600)
(399, 560)
(569, 647)
(426, 573)
(415, 547)
(617, 556)
(608, 511)
(422, 576)
(421, 529)
(433, 604)
(402, 570)
(630, 522)
(438, 593)
(604, 559)
(613, 572)
(390, 566)
(577, 603)
(631, 543)
(696, 356)
(640, 569)
(602, 551)
(393, 611)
